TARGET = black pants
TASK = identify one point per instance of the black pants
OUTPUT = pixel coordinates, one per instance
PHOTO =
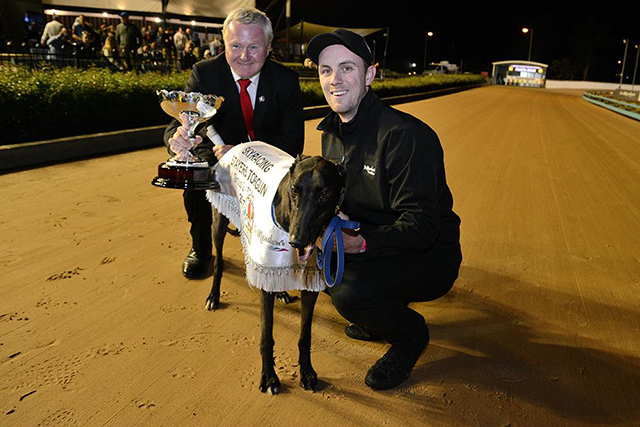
(199, 214)
(199, 208)
(375, 293)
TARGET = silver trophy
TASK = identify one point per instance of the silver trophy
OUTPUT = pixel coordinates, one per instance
(187, 170)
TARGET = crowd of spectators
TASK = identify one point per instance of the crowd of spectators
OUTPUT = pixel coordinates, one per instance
(123, 47)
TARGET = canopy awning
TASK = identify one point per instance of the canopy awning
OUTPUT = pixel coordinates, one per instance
(310, 30)
(195, 8)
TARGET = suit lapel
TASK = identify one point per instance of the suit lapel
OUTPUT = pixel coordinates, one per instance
(230, 93)
(263, 95)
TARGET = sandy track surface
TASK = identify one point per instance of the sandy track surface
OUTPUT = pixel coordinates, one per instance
(99, 328)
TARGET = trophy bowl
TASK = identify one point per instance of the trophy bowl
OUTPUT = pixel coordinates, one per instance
(188, 171)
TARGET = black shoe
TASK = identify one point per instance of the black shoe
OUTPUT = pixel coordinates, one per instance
(195, 265)
(394, 368)
(359, 332)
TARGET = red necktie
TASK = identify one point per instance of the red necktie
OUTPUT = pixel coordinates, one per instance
(247, 109)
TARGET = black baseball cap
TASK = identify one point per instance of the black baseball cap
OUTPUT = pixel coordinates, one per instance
(124, 14)
(352, 41)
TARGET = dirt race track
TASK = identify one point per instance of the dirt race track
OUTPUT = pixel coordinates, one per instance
(99, 328)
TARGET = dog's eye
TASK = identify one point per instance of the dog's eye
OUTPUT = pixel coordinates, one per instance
(294, 192)
(324, 195)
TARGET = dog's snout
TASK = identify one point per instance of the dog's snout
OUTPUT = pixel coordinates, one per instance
(296, 243)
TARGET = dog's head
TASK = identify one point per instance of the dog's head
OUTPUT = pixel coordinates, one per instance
(315, 192)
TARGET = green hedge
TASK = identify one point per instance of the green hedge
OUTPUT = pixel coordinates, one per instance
(54, 103)
(312, 92)
(50, 104)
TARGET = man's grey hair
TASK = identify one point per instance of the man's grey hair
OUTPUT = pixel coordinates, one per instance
(249, 15)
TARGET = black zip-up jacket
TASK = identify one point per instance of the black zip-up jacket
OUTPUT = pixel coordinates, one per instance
(396, 185)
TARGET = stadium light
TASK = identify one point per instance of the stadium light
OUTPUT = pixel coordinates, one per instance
(426, 39)
(525, 31)
(635, 70)
(624, 61)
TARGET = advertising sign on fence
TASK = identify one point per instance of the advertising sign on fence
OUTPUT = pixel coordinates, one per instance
(627, 95)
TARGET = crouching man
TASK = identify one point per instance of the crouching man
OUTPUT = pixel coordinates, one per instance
(408, 247)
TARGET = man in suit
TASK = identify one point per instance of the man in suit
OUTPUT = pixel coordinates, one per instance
(262, 102)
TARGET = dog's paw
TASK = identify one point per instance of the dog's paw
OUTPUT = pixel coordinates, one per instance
(285, 298)
(212, 303)
(308, 379)
(269, 383)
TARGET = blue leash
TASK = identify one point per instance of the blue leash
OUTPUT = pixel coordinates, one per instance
(334, 229)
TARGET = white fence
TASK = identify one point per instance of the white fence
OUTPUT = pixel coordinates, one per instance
(568, 84)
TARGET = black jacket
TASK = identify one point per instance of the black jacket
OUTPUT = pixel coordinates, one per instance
(278, 113)
(396, 185)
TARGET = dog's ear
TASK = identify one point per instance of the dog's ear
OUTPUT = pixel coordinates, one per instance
(299, 158)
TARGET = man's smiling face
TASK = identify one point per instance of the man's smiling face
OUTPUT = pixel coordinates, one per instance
(344, 78)
(246, 48)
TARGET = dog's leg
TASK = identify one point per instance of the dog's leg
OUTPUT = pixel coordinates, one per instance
(285, 298)
(308, 377)
(220, 224)
(269, 381)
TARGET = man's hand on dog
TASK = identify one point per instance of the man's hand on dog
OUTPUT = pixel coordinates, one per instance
(352, 242)
(221, 150)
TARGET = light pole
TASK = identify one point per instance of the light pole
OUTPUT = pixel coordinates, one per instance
(287, 9)
(635, 70)
(624, 60)
(525, 31)
(426, 39)
(384, 57)
(374, 52)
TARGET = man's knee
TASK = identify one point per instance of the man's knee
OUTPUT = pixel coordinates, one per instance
(344, 301)
(352, 299)
(196, 204)
(194, 197)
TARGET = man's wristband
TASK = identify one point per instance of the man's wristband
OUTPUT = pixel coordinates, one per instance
(364, 246)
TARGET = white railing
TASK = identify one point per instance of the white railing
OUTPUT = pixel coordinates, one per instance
(570, 84)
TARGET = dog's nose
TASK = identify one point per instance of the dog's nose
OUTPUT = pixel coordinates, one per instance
(296, 243)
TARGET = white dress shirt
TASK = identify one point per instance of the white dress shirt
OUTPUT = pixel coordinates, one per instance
(252, 89)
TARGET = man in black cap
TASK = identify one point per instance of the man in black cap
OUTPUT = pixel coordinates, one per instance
(407, 248)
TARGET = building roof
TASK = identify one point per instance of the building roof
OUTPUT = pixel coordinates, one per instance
(520, 61)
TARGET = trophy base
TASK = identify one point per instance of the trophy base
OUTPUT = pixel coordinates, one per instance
(197, 162)
(186, 176)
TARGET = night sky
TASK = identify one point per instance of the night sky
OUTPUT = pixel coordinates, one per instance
(576, 43)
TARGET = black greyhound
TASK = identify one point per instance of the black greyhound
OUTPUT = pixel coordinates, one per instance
(307, 198)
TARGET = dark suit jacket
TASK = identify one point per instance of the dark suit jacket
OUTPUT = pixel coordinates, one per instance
(277, 119)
